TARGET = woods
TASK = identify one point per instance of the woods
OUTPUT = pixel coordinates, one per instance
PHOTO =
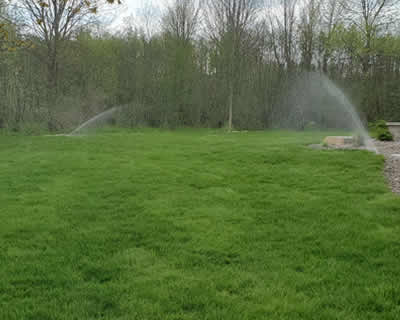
(221, 63)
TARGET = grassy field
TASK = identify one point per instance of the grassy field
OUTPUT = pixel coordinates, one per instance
(195, 225)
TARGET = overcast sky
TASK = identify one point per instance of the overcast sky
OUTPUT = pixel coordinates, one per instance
(134, 7)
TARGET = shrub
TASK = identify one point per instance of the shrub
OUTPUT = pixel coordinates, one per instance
(384, 135)
(381, 124)
(379, 130)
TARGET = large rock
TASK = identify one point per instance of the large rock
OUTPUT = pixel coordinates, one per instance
(394, 128)
(338, 141)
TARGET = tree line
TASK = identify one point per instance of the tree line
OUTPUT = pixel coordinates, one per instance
(211, 63)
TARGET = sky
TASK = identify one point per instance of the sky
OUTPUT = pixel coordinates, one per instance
(137, 9)
(132, 5)
(134, 8)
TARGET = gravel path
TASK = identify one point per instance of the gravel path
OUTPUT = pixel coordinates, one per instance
(391, 151)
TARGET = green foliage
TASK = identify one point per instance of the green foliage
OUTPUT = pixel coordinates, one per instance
(380, 131)
(384, 135)
(381, 124)
(174, 83)
(195, 225)
(9, 40)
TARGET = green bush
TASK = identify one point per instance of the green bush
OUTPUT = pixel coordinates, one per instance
(384, 135)
(379, 130)
(381, 124)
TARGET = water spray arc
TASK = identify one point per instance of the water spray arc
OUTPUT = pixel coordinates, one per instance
(98, 118)
(334, 91)
(316, 101)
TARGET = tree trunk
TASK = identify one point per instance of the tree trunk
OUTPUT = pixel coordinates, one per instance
(52, 85)
(230, 104)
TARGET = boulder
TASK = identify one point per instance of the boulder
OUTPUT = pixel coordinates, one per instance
(338, 141)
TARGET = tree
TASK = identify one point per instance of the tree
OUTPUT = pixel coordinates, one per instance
(181, 19)
(283, 32)
(308, 29)
(331, 12)
(54, 21)
(370, 17)
(231, 27)
(9, 40)
(4, 22)
(179, 25)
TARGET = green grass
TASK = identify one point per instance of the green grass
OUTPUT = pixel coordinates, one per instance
(195, 225)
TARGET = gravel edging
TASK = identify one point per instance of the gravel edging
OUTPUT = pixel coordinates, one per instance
(389, 149)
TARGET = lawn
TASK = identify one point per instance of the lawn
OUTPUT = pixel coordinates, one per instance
(195, 224)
